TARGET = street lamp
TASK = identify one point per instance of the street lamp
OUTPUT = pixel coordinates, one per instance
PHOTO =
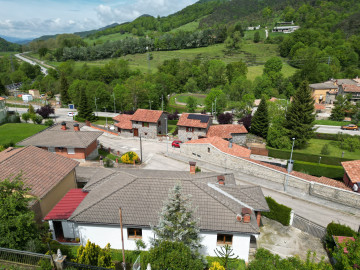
(167, 137)
(290, 166)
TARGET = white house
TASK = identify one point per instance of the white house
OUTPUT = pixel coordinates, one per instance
(226, 213)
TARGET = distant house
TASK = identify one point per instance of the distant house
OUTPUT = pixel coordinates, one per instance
(251, 28)
(320, 90)
(193, 126)
(352, 174)
(123, 124)
(65, 141)
(331, 96)
(35, 93)
(148, 123)
(3, 111)
(48, 175)
(352, 90)
(286, 29)
(227, 213)
(235, 133)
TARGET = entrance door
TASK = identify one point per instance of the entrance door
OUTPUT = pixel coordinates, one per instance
(136, 132)
(59, 234)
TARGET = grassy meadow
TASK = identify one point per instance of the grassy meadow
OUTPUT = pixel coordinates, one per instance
(17, 132)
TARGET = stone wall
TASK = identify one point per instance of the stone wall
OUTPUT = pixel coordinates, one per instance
(210, 154)
(238, 138)
(192, 135)
(149, 132)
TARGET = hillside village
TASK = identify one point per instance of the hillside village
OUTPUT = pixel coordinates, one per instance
(223, 136)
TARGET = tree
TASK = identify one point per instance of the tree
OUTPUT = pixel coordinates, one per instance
(17, 225)
(226, 255)
(274, 64)
(342, 104)
(64, 86)
(25, 117)
(31, 109)
(2, 89)
(215, 100)
(256, 37)
(300, 116)
(92, 254)
(176, 221)
(325, 150)
(45, 111)
(191, 104)
(84, 110)
(225, 118)
(260, 121)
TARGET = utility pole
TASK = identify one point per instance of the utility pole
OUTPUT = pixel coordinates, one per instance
(96, 108)
(106, 118)
(212, 108)
(122, 239)
(215, 107)
(140, 149)
(114, 103)
(150, 103)
(162, 102)
(167, 138)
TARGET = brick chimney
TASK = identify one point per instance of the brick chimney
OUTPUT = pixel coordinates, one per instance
(192, 167)
(246, 213)
(221, 180)
(76, 127)
(63, 125)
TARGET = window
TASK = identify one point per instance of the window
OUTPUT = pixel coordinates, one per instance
(134, 233)
(159, 123)
(145, 124)
(208, 149)
(189, 129)
(71, 151)
(51, 149)
(224, 239)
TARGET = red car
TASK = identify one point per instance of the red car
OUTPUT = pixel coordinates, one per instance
(176, 144)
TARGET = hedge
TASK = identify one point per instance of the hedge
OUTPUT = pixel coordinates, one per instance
(278, 212)
(316, 169)
(336, 229)
(285, 154)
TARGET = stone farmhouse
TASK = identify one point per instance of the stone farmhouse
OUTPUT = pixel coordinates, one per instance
(352, 90)
(231, 132)
(145, 123)
(65, 141)
(49, 176)
(226, 213)
(193, 126)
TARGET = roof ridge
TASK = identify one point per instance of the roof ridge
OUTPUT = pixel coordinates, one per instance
(103, 198)
(100, 180)
(246, 195)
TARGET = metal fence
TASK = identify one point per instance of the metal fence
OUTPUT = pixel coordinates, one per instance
(68, 264)
(22, 257)
(137, 265)
(308, 226)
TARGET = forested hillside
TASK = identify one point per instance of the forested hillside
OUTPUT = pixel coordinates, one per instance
(6, 46)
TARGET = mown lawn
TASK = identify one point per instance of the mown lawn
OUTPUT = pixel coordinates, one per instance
(315, 146)
(18, 132)
(331, 123)
(200, 98)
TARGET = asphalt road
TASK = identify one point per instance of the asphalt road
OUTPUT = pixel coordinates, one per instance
(334, 130)
(43, 69)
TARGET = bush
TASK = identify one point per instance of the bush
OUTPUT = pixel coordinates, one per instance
(278, 212)
(49, 123)
(325, 150)
(336, 229)
(325, 136)
(130, 157)
(25, 117)
(225, 118)
(108, 163)
(316, 169)
(37, 119)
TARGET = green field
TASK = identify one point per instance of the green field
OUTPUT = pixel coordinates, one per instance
(17, 132)
(103, 39)
(200, 98)
(331, 123)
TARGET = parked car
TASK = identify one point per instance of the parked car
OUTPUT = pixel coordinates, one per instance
(72, 113)
(350, 127)
(176, 144)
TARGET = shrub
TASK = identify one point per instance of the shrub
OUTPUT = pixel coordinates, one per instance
(25, 117)
(108, 163)
(225, 118)
(325, 150)
(37, 119)
(316, 169)
(92, 254)
(351, 143)
(45, 111)
(278, 212)
(336, 229)
(49, 122)
(216, 266)
(325, 136)
(130, 157)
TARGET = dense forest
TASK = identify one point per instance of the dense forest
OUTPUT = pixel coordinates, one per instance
(6, 46)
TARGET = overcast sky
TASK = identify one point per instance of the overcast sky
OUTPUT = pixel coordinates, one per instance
(29, 19)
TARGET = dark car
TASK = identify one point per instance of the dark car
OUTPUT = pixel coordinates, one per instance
(350, 127)
(176, 144)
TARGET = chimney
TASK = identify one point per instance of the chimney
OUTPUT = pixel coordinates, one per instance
(221, 180)
(192, 167)
(76, 127)
(246, 213)
(63, 125)
(230, 144)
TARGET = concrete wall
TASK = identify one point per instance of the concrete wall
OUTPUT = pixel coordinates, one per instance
(200, 151)
(104, 234)
(192, 135)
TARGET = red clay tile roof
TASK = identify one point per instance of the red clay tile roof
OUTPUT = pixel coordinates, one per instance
(273, 99)
(1, 98)
(41, 170)
(351, 88)
(225, 131)
(184, 121)
(319, 107)
(123, 121)
(223, 146)
(322, 180)
(341, 239)
(352, 169)
(67, 205)
(149, 116)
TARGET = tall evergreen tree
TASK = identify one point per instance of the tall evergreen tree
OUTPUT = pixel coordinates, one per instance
(176, 221)
(300, 116)
(84, 109)
(260, 121)
(64, 86)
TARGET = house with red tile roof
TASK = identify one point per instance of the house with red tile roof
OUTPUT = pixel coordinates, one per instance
(123, 124)
(67, 141)
(234, 132)
(148, 123)
(193, 126)
(350, 89)
(352, 174)
(48, 175)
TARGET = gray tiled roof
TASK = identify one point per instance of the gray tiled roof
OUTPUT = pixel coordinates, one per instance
(323, 86)
(55, 137)
(140, 194)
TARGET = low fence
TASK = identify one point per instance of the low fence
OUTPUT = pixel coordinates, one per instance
(24, 258)
(308, 226)
(101, 128)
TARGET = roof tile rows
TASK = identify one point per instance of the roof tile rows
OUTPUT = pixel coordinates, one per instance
(40, 169)
(150, 116)
(225, 131)
(123, 121)
(325, 85)
(223, 146)
(352, 169)
(197, 123)
(350, 88)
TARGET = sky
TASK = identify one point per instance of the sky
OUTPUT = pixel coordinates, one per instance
(30, 19)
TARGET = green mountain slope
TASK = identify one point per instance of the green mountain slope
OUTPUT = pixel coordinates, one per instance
(6, 46)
